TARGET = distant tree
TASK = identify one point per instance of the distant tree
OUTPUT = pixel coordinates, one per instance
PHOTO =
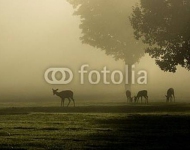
(105, 25)
(165, 26)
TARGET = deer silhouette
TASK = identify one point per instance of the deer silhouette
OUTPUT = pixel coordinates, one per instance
(170, 95)
(141, 94)
(128, 95)
(64, 94)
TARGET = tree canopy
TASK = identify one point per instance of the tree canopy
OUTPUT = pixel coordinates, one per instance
(105, 25)
(165, 26)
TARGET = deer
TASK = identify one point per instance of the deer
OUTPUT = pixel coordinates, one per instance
(141, 94)
(170, 95)
(64, 94)
(128, 95)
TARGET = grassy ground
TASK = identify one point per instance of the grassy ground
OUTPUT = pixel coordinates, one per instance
(153, 126)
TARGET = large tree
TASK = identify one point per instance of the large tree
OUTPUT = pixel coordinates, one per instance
(165, 26)
(105, 25)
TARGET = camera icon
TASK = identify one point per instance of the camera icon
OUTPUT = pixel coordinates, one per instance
(66, 75)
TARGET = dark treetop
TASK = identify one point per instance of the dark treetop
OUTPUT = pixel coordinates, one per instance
(165, 26)
(105, 25)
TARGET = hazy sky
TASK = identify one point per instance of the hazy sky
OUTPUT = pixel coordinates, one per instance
(38, 34)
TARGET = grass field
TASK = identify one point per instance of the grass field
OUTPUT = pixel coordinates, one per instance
(152, 126)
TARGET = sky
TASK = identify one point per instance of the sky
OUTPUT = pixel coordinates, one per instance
(38, 34)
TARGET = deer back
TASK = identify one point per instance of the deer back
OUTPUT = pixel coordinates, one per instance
(142, 93)
(170, 92)
(66, 94)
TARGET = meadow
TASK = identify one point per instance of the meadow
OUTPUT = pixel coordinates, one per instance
(128, 126)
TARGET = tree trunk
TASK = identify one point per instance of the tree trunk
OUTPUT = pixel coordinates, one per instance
(128, 76)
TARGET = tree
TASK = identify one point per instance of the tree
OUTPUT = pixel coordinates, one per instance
(165, 26)
(105, 25)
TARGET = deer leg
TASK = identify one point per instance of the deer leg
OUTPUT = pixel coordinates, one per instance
(145, 99)
(73, 101)
(61, 102)
(174, 97)
(69, 102)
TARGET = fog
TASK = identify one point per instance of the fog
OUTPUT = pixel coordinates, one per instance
(38, 34)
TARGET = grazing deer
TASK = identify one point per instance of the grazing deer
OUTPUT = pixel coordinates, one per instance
(64, 94)
(128, 95)
(170, 95)
(141, 94)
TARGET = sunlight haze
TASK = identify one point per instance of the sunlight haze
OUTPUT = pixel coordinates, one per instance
(38, 34)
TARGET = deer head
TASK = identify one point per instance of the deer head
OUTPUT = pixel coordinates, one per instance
(167, 97)
(54, 91)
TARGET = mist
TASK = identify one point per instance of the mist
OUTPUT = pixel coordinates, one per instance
(36, 35)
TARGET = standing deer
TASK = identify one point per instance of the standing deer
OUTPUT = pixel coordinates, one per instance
(64, 94)
(170, 95)
(128, 95)
(141, 94)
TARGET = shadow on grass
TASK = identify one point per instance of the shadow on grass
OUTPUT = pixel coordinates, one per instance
(142, 132)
